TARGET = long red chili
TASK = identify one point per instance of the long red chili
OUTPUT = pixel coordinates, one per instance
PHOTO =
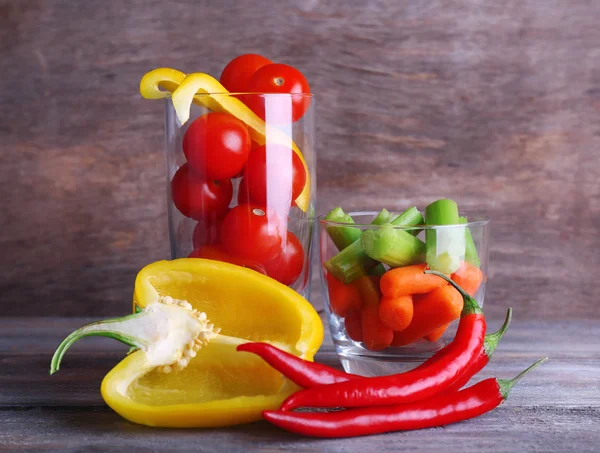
(311, 374)
(489, 346)
(415, 385)
(439, 411)
(302, 372)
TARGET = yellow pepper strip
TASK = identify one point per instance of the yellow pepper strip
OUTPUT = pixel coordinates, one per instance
(206, 91)
(153, 81)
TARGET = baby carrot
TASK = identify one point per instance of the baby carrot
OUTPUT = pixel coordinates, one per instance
(431, 311)
(376, 335)
(343, 299)
(468, 277)
(436, 334)
(353, 324)
(396, 312)
(408, 280)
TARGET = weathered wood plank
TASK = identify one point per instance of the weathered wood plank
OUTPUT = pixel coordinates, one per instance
(556, 408)
(492, 103)
(508, 429)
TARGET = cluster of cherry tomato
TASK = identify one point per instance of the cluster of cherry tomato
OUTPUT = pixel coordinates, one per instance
(219, 149)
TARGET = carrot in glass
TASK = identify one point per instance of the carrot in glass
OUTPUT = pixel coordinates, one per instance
(353, 325)
(376, 335)
(396, 312)
(468, 277)
(408, 280)
(436, 334)
(431, 312)
(343, 299)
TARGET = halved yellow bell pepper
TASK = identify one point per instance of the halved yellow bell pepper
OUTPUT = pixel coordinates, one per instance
(204, 90)
(186, 371)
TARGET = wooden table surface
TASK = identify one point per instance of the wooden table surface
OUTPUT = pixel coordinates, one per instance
(556, 408)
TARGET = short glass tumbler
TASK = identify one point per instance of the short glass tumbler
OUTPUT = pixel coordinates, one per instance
(241, 182)
(379, 333)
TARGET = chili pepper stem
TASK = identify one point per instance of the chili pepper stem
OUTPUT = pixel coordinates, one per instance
(506, 385)
(170, 331)
(471, 305)
(492, 339)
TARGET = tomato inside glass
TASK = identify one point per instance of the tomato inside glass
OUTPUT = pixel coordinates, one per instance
(236, 75)
(275, 175)
(252, 232)
(242, 195)
(217, 145)
(197, 197)
(207, 231)
(282, 79)
(287, 266)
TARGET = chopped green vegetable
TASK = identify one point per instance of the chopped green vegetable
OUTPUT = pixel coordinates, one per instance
(445, 245)
(342, 237)
(393, 246)
(470, 250)
(384, 216)
(353, 262)
(410, 217)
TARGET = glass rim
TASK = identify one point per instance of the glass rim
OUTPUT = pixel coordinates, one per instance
(245, 93)
(481, 221)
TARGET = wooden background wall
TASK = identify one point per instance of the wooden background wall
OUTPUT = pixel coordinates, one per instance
(493, 103)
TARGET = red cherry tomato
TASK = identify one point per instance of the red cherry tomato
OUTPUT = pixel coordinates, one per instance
(218, 253)
(206, 231)
(237, 73)
(198, 198)
(243, 196)
(210, 252)
(217, 145)
(287, 266)
(279, 78)
(274, 173)
(251, 232)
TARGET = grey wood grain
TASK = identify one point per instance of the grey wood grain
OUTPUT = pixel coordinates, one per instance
(555, 409)
(495, 104)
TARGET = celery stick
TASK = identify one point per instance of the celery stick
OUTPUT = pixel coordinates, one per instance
(470, 250)
(445, 245)
(410, 217)
(393, 246)
(352, 262)
(378, 270)
(342, 237)
(384, 216)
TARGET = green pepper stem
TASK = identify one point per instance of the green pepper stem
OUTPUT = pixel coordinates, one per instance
(492, 339)
(506, 385)
(116, 328)
(471, 306)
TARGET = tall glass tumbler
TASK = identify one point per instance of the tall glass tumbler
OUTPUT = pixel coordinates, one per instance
(241, 183)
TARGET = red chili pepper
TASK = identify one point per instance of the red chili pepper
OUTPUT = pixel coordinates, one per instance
(489, 346)
(439, 411)
(300, 371)
(415, 385)
(311, 374)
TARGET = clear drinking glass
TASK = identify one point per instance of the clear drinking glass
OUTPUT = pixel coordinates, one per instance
(351, 283)
(233, 179)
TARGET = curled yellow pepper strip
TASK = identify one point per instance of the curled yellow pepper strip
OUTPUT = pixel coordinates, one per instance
(153, 81)
(206, 91)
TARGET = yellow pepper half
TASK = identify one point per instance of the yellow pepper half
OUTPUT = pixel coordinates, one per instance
(186, 371)
(206, 91)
